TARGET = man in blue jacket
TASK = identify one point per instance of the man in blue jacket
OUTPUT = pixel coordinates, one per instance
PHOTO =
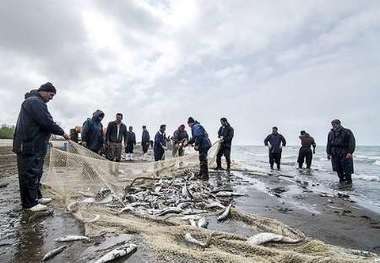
(275, 142)
(160, 144)
(33, 129)
(92, 132)
(201, 144)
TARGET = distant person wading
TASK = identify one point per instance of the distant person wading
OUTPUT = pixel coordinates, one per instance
(33, 129)
(275, 142)
(305, 151)
(225, 134)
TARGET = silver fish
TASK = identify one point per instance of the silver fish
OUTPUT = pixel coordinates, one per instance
(186, 193)
(202, 223)
(71, 238)
(73, 207)
(215, 205)
(192, 222)
(263, 238)
(225, 214)
(53, 253)
(194, 241)
(170, 210)
(117, 253)
(229, 194)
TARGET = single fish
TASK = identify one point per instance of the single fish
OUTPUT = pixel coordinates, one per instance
(229, 194)
(192, 222)
(215, 205)
(225, 214)
(183, 205)
(70, 238)
(194, 241)
(117, 253)
(263, 238)
(53, 253)
(103, 193)
(73, 207)
(186, 193)
(170, 210)
(202, 223)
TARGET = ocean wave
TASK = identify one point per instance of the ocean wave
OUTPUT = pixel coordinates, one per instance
(368, 178)
(377, 162)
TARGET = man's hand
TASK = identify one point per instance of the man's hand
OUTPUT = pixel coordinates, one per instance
(349, 156)
(66, 136)
(84, 144)
(313, 151)
(329, 157)
(165, 148)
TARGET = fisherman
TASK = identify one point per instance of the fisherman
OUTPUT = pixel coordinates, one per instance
(145, 141)
(92, 132)
(225, 134)
(131, 142)
(180, 137)
(340, 147)
(305, 151)
(74, 134)
(115, 134)
(33, 129)
(275, 142)
(202, 144)
(160, 144)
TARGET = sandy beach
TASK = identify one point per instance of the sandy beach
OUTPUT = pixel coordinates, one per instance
(335, 219)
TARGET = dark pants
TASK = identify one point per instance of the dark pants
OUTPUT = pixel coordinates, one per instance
(129, 148)
(113, 151)
(226, 151)
(30, 168)
(275, 158)
(159, 154)
(305, 152)
(203, 165)
(145, 146)
(343, 166)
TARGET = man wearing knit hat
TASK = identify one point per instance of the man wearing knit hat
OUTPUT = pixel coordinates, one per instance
(340, 147)
(33, 129)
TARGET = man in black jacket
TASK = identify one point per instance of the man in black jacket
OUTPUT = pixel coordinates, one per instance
(131, 142)
(225, 134)
(340, 147)
(275, 142)
(33, 129)
(115, 134)
(145, 141)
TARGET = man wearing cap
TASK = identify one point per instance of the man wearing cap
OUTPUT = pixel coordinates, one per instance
(340, 147)
(202, 144)
(275, 142)
(33, 129)
(225, 134)
(305, 151)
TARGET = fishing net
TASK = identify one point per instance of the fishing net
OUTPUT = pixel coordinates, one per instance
(160, 201)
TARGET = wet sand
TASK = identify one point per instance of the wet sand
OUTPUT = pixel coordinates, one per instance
(331, 219)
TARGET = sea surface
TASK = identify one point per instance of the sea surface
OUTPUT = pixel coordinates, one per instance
(366, 180)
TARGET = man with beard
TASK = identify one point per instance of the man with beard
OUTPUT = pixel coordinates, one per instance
(115, 134)
(340, 147)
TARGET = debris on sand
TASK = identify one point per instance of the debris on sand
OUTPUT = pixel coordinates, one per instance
(53, 253)
(117, 253)
(263, 238)
(189, 238)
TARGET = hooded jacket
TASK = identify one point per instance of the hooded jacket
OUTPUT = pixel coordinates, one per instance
(200, 137)
(34, 126)
(92, 132)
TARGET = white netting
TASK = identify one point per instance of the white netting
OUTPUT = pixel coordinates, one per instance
(157, 199)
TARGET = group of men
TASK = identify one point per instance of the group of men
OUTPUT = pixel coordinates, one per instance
(340, 147)
(35, 126)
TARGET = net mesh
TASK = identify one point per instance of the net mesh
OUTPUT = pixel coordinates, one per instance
(159, 201)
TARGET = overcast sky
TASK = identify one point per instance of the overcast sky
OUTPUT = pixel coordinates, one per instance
(293, 64)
